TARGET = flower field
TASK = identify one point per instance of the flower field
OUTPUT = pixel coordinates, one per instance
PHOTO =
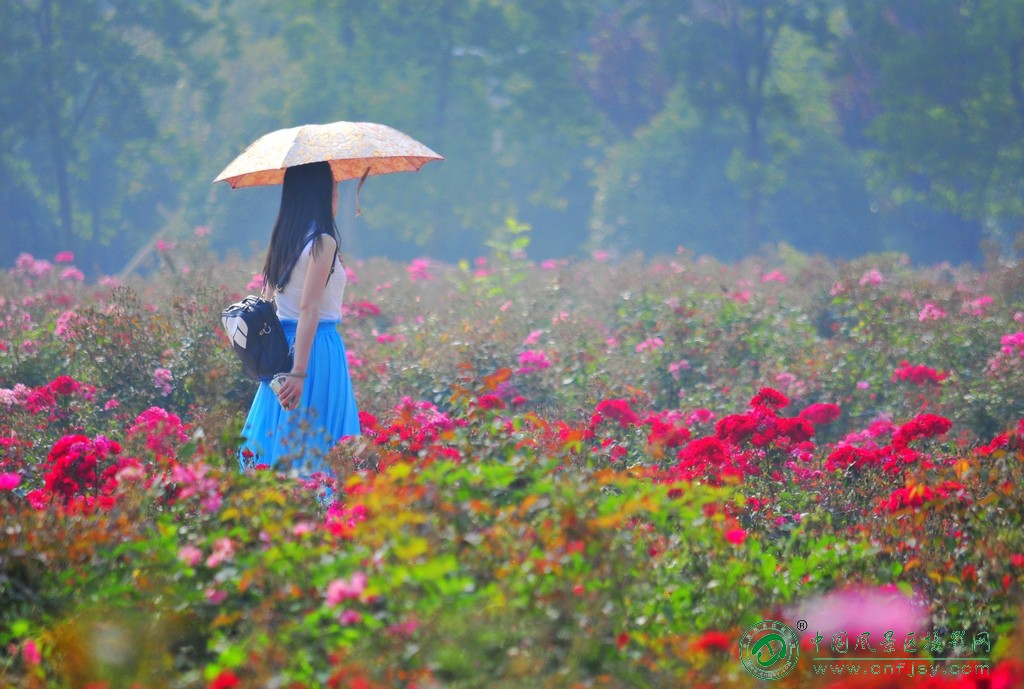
(577, 473)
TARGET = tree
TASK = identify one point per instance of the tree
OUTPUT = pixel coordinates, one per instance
(489, 85)
(744, 150)
(78, 124)
(941, 92)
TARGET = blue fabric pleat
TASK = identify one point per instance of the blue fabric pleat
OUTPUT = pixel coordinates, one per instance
(298, 440)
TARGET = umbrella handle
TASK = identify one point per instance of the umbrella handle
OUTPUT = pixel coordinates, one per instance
(359, 211)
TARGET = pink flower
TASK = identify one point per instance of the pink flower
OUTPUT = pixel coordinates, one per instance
(256, 283)
(65, 324)
(64, 257)
(9, 481)
(736, 536)
(72, 274)
(201, 231)
(1012, 344)
(532, 360)
(650, 343)
(976, 307)
(931, 312)
(162, 378)
(601, 256)
(223, 551)
(872, 277)
(340, 589)
(350, 617)
(856, 610)
(190, 555)
(775, 276)
(700, 416)
(676, 366)
(30, 653)
(418, 270)
(163, 246)
(215, 596)
(533, 337)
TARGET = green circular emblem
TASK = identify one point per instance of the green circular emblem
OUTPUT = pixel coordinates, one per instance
(769, 650)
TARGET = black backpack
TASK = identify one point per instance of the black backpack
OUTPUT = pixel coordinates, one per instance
(257, 337)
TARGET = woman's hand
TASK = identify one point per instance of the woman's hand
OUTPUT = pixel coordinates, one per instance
(290, 393)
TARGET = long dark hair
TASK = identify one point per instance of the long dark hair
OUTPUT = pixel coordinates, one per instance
(305, 207)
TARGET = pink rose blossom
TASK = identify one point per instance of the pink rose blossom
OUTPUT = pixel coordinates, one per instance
(700, 416)
(30, 653)
(341, 589)
(532, 360)
(223, 551)
(872, 277)
(418, 270)
(256, 283)
(9, 481)
(676, 366)
(775, 276)
(162, 378)
(976, 307)
(64, 257)
(350, 617)
(931, 312)
(650, 343)
(190, 555)
(856, 610)
(736, 536)
(215, 596)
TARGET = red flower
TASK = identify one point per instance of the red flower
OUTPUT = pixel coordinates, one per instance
(921, 426)
(490, 401)
(820, 413)
(225, 680)
(666, 434)
(848, 456)
(65, 385)
(704, 452)
(714, 641)
(736, 428)
(917, 374)
(769, 399)
(616, 410)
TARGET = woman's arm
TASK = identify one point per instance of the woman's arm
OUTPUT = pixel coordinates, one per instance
(309, 316)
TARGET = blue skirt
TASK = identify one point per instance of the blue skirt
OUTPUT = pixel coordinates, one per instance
(299, 440)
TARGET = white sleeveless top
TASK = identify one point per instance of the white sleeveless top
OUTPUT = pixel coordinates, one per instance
(289, 299)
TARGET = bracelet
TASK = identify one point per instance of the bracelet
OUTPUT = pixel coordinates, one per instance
(297, 375)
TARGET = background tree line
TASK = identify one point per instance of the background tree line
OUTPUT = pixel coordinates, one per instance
(720, 126)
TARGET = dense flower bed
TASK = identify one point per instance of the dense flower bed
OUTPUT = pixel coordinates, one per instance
(572, 474)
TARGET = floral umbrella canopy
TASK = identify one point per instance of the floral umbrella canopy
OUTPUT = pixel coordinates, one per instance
(354, 150)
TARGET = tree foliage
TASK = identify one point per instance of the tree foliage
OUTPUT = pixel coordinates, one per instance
(82, 139)
(837, 127)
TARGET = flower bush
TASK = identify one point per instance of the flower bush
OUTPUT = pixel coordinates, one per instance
(572, 474)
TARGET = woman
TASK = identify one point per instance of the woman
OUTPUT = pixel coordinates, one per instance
(315, 406)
